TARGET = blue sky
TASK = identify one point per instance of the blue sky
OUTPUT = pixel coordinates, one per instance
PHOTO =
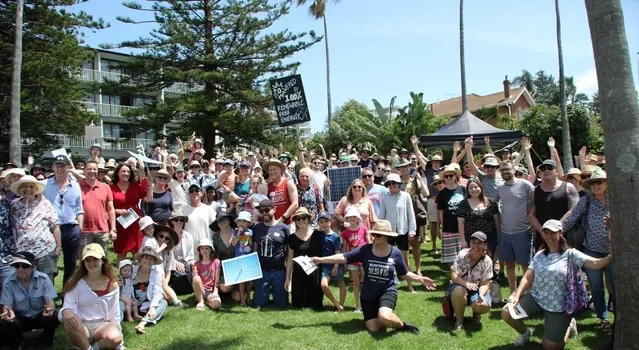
(380, 50)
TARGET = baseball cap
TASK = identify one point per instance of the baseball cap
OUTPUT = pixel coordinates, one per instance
(553, 225)
(245, 165)
(229, 162)
(548, 162)
(24, 258)
(93, 250)
(266, 204)
(123, 263)
(324, 215)
(195, 185)
(480, 236)
(61, 159)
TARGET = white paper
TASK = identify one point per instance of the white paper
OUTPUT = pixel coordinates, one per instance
(516, 311)
(306, 263)
(59, 151)
(128, 219)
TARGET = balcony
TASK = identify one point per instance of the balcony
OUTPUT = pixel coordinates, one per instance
(108, 143)
(104, 76)
(106, 110)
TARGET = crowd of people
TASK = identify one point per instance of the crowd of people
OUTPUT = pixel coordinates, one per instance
(174, 221)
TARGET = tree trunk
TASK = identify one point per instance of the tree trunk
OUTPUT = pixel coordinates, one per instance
(462, 62)
(208, 133)
(620, 118)
(565, 124)
(15, 144)
(328, 73)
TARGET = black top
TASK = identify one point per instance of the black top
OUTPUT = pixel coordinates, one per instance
(271, 245)
(551, 205)
(478, 220)
(448, 201)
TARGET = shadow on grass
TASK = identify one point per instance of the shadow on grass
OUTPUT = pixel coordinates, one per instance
(195, 343)
(447, 325)
(345, 328)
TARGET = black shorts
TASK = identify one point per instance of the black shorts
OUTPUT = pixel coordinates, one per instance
(370, 309)
(400, 241)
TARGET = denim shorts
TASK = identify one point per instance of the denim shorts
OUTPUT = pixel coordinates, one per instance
(328, 270)
(516, 247)
(472, 295)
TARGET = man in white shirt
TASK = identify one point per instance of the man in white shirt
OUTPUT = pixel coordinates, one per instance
(200, 216)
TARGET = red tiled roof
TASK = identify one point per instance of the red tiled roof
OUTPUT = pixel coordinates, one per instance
(453, 106)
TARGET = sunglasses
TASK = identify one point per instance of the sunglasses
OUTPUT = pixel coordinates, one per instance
(300, 218)
(546, 167)
(61, 199)
(519, 174)
(317, 162)
(387, 171)
(375, 235)
(357, 187)
(490, 167)
(596, 182)
(264, 211)
(161, 178)
(178, 220)
(21, 266)
(570, 177)
(449, 176)
(194, 190)
(366, 176)
(164, 237)
(389, 184)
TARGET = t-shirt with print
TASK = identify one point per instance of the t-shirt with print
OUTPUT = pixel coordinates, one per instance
(514, 206)
(330, 245)
(549, 284)
(354, 239)
(319, 179)
(207, 273)
(448, 200)
(271, 245)
(379, 271)
(243, 247)
(375, 194)
(490, 184)
(481, 272)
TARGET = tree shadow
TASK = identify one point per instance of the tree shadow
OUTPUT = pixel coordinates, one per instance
(447, 325)
(198, 343)
(530, 346)
(352, 326)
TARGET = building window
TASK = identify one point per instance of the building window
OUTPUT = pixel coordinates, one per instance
(111, 100)
(87, 65)
(110, 66)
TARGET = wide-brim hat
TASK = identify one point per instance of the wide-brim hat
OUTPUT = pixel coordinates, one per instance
(150, 252)
(436, 158)
(451, 168)
(588, 169)
(383, 227)
(598, 174)
(110, 163)
(174, 236)
(194, 163)
(215, 227)
(163, 172)
(571, 171)
(301, 211)
(206, 242)
(27, 179)
(392, 178)
(275, 162)
(38, 167)
(404, 163)
(492, 161)
(436, 180)
(177, 213)
(488, 155)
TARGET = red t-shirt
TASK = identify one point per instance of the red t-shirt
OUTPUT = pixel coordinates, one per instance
(207, 273)
(94, 202)
(354, 238)
(279, 196)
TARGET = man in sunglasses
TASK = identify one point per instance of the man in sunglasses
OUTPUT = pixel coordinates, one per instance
(489, 177)
(373, 190)
(66, 197)
(552, 199)
(97, 200)
(365, 161)
(18, 316)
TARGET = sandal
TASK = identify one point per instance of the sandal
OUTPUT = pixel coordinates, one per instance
(140, 330)
(605, 325)
(199, 307)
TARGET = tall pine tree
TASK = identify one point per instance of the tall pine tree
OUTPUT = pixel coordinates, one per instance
(225, 51)
(52, 54)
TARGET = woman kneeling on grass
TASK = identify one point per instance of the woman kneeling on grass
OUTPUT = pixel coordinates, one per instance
(379, 293)
(206, 276)
(470, 280)
(548, 275)
(147, 288)
(91, 310)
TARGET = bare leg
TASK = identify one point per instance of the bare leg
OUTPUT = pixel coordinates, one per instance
(342, 292)
(417, 254)
(405, 255)
(356, 285)
(458, 299)
(518, 325)
(388, 319)
(198, 292)
(329, 294)
(511, 273)
(434, 234)
(77, 337)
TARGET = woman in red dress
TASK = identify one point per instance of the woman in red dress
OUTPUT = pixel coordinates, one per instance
(127, 194)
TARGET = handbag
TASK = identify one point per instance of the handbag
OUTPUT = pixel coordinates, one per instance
(447, 305)
(181, 281)
(576, 235)
(576, 296)
(421, 214)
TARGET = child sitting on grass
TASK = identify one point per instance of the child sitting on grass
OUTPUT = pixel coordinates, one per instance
(332, 245)
(206, 276)
(126, 290)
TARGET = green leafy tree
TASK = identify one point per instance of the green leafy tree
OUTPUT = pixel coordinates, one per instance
(525, 80)
(416, 119)
(223, 52)
(52, 57)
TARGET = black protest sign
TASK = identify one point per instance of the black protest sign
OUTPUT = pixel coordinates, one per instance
(289, 100)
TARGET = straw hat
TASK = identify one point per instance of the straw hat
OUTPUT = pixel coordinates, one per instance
(150, 252)
(177, 213)
(436, 180)
(598, 174)
(15, 186)
(436, 157)
(383, 227)
(571, 171)
(302, 211)
(275, 162)
(451, 168)
(588, 169)
(163, 228)
(110, 164)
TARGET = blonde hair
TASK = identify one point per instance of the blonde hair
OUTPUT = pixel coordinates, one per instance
(349, 191)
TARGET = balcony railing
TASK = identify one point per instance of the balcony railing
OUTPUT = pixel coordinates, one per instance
(106, 110)
(104, 76)
(108, 143)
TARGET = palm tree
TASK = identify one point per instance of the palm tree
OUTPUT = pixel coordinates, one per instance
(565, 124)
(318, 10)
(620, 118)
(525, 80)
(462, 61)
(15, 146)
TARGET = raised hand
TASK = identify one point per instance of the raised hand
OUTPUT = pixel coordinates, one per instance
(457, 146)
(487, 140)
(414, 140)
(525, 142)
(469, 141)
(551, 142)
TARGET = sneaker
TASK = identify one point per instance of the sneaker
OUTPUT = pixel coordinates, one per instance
(573, 329)
(523, 338)
(476, 319)
(459, 326)
(358, 310)
(407, 327)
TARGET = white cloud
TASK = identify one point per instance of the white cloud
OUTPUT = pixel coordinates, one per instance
(587, 81)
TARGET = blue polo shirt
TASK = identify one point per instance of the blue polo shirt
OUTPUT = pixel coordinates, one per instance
(66, 201)
(28, 302)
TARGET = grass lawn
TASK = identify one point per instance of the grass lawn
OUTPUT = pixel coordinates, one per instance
(235, 327)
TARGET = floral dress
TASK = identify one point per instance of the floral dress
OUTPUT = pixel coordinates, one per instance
(32, 225)
(310, 198)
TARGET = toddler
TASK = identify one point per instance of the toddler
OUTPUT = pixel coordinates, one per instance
(126, 290)
(355, 236)
(332, 245)
(243, 241)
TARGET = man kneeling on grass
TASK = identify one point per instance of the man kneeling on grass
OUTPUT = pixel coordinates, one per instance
(379, 293)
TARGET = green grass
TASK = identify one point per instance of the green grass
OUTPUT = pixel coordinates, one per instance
(235, 327)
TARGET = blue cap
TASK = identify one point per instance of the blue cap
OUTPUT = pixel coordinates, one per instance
(324, 215)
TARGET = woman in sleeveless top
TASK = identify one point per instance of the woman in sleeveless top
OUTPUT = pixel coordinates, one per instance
(91, 303)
